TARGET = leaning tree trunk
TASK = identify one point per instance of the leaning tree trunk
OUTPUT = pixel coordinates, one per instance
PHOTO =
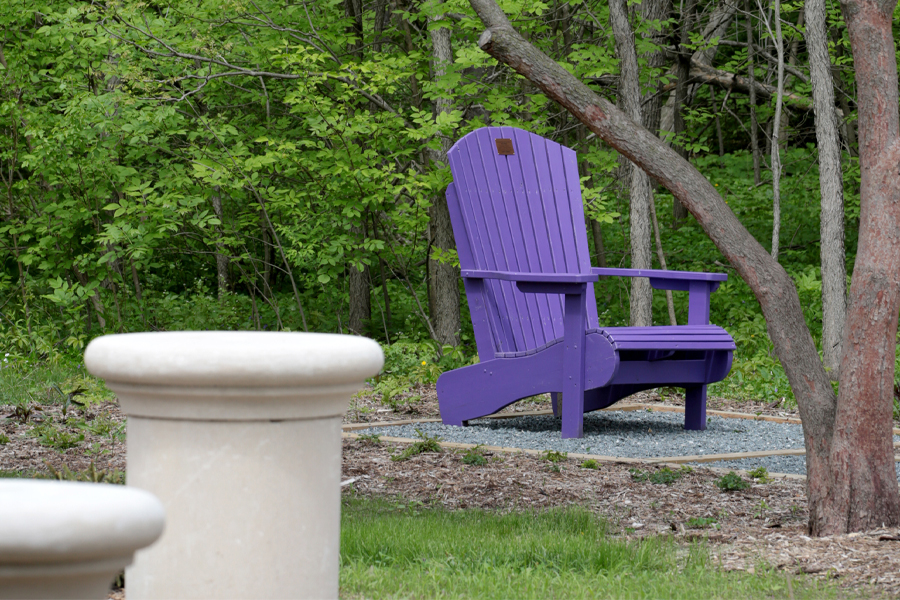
(831, 186)
(852, 495)
(641, 193)
(444, 277)
(863, 492)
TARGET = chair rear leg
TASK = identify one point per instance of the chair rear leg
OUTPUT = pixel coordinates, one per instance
(695, 408)
(554, 402)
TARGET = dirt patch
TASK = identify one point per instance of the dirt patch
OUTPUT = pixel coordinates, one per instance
(38, 437)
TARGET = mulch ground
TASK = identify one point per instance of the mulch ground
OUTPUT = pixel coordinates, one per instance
(765, 524)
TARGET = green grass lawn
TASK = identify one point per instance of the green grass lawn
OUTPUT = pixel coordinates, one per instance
(396, 550)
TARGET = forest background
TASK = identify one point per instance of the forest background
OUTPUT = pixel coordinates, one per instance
(281, 166)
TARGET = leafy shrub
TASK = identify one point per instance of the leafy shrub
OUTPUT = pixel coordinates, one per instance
(426, 443)
(475, 456)
(91, 475)
(701, 522)
(732, 482)
(392, 390)
(49, 435)
(554, 456)
(664, 476)
(761, 474)
(590, 464)
(370, 439)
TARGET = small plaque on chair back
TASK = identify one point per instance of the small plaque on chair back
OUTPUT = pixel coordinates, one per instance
(504, 146)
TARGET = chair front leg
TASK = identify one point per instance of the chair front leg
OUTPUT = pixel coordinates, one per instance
(695, 408)
(573, 366)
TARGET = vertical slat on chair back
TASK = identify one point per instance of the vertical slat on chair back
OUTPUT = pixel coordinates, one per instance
(518, 212)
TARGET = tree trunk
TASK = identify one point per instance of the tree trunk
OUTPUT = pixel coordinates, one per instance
(855, 486)
(655, 10)
(715, 110)
(863, 491)
(849, 126)
(831, 186)
(679, 212)
(94, 297)
(651, 105)
(717, 27)
(754, 126)
(444, 278)
(776, 130)
(630, 97)
(360, 292)
(221, 257)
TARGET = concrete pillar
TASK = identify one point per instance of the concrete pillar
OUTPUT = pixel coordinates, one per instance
(61, 539)
(239, 435)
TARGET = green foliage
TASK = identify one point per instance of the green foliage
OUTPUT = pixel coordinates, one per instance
(555, 456)
(50, 435)
(590, 464)
(761, 474)
(4, 439)
(732, 482)
(90, 475)
(426, 443)
(475, 456)
(701, 523)
(128, 171)
(370, 439)
(663, 476)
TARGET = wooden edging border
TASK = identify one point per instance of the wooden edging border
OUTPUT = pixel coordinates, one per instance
(665, 462)
(670, 461)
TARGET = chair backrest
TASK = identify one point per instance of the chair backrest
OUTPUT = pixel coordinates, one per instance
(515, 204)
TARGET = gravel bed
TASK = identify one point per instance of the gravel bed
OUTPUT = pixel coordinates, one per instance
(773, 464)
(633, 434)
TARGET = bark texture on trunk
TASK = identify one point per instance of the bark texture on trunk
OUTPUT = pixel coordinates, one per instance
(751, 76)
(641, 192)
(222, 283)
(360, 288)
(776, 131)
(716, 27)
(444, 278)
(863, 492)
(831, 186)
(683, 69)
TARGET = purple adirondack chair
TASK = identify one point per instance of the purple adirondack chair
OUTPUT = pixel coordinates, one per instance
(517, 214)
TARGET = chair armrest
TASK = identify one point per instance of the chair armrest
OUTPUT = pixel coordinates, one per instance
(669, 280)
(700, 286)
(659, 274)
(531, 277)
(538, 283)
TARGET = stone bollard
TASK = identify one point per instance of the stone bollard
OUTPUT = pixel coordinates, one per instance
(239, 435)
(62, 539)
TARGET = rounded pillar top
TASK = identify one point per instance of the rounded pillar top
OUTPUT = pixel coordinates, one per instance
(54, 522)
(233, 375)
